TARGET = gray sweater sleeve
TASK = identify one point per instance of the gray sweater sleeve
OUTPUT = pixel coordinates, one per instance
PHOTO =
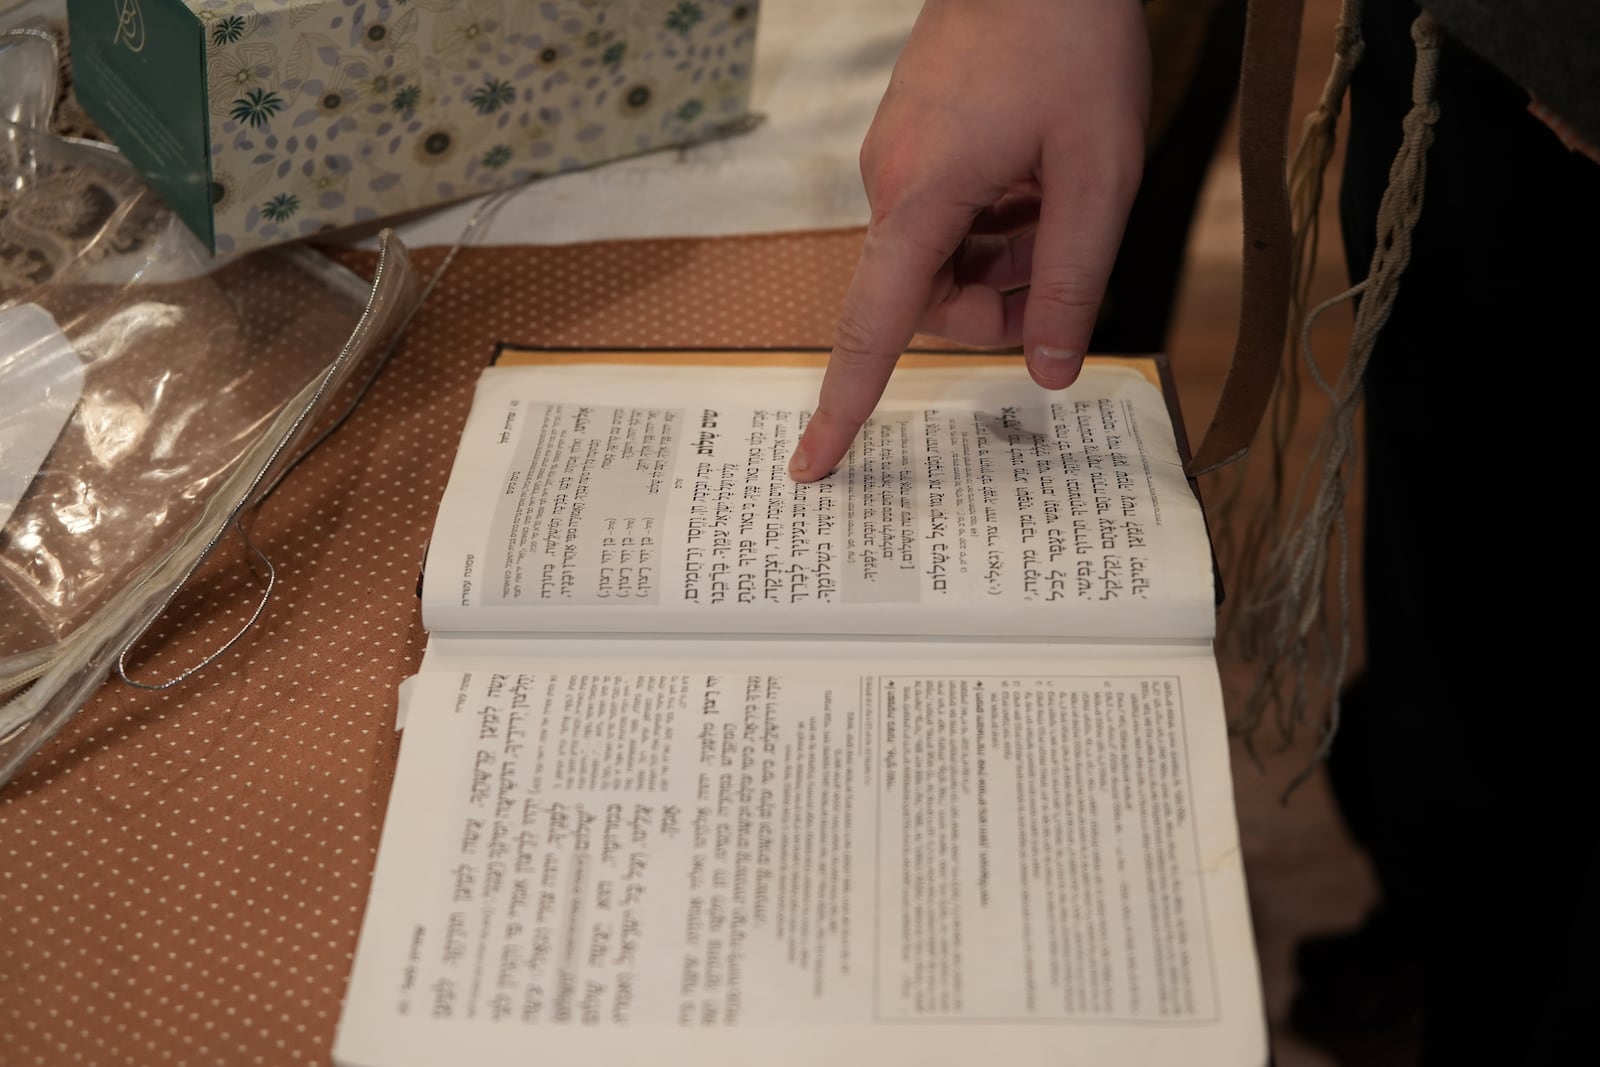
(1549, 47)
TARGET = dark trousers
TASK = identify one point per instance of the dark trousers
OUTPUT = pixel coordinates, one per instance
(1467, 761)
(1142, 292)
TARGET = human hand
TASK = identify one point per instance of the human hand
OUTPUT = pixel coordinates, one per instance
(1000, 169)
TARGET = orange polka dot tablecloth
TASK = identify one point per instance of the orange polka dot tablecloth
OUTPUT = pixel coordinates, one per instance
(183, 873)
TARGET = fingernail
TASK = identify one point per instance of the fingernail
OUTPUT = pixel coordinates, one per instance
(1057, 364)
(799, 463)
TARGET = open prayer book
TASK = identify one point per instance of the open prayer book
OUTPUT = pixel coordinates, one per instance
(923, 763)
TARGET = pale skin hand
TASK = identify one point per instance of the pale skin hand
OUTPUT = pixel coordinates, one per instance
(1000, 169)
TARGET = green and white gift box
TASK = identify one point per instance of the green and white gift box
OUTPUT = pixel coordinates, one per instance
(263, 121)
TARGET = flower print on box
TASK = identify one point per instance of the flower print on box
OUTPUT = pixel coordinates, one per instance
(330, 112)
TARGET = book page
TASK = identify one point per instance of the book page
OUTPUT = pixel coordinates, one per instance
(633, 499)
(927, 862)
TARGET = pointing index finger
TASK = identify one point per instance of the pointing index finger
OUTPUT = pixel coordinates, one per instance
(877, 319)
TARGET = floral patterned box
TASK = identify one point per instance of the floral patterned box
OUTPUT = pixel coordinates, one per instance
(264, 121)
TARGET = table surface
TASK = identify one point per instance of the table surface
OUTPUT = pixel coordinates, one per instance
(183, 873)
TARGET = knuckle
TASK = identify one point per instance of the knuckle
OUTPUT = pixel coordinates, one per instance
(856, 342)
(1066, 287)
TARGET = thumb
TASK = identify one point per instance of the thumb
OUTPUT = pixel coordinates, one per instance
(1080, 229)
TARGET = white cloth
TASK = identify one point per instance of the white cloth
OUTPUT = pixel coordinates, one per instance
(820, 69)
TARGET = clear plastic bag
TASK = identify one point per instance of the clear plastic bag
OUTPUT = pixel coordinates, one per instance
(148, 394)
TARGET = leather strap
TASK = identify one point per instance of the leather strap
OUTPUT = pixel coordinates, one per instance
(1266, 93)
